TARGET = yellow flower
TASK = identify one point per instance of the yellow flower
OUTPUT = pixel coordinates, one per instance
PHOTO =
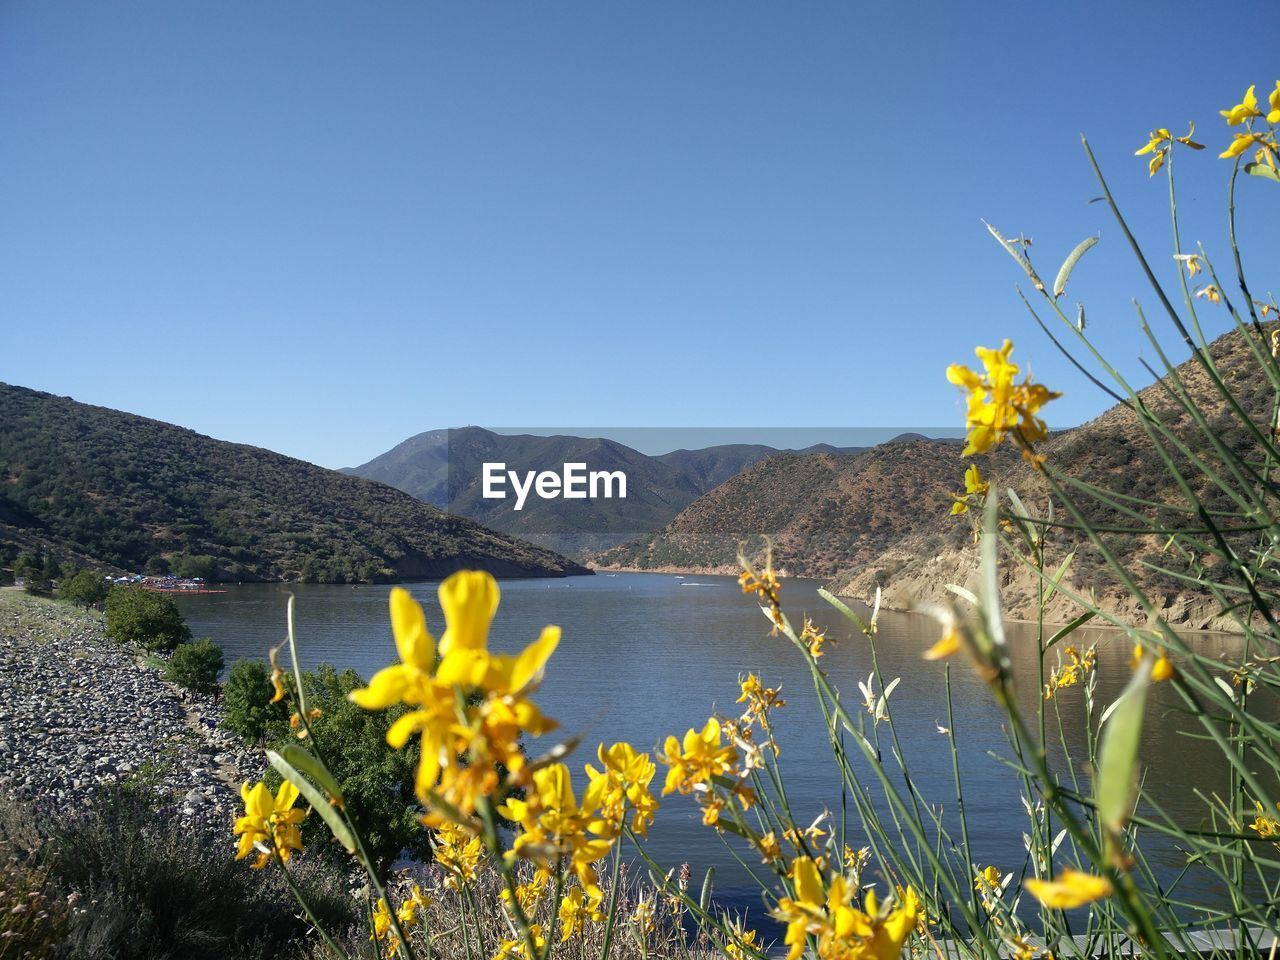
(813, 638)
(382, 925)
(1210, 293)
(576, 911)
(1274, 101)
(1264, 823)
(988, 879)
(1243, 141)
(1072, 672)
(555, 827)
(429, 678)
(459, 853)
(529, 894)
(742, 943)
(947, 644)
(765, 586)
(997, 406)
(1192, 261)
(844, 932)
(695, 763)
(1161, 670)
(519, 948)
(1246, 109)
(643, 918)
(803, 912)
(1159, 144)
(269, 825)
(759, 698)
(1071, 889)
(622, 784)
(277, 676)
(415, 902)
(770, 848)
(974, 486)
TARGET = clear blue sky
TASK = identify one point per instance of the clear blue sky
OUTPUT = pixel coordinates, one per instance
(324, 227)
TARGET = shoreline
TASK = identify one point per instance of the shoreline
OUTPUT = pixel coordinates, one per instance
(1097, 623)
(81, 714)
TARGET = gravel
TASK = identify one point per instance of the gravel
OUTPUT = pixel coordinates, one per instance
(79, 712)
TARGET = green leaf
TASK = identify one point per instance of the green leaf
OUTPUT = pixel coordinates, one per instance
(840, 605)
(1056, 579)
(311, 766)
(1264, 170)
(319, 802)
(988, 548)
(1012, 249)
(1116, 784)
(704, 898)
(1060, 284)
(1071, 628)
(1024, 526)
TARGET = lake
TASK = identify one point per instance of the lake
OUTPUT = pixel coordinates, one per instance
(647, 655)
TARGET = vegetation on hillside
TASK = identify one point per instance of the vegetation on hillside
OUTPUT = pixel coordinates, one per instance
(128, 492)
(822, 512)
(1138, 496)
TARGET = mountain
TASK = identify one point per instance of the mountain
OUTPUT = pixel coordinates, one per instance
(88, 483)
(445, 468)
(1111, 452)
(822, 511)
(882, 517)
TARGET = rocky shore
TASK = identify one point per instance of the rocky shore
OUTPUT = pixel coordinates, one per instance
(80, 713)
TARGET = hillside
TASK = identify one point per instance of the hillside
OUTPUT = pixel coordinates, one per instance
(882, 517)
(822, 511)
(1111, 452)
(444, 467)
(88, 483)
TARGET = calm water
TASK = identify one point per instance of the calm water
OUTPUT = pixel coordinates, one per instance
(647, 655)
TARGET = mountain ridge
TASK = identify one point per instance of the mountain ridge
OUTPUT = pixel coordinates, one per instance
(123, 491)
(443, 467)
(876, 521)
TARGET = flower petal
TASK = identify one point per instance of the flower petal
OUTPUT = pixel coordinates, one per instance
(470, 599)
(387, 687)
(529, 664)
(409, 626)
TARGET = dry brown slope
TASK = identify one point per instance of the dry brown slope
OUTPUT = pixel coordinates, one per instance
(823, 512)
(1112, 452)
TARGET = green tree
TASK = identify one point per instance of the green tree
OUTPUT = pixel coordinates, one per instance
(151, 620)
(157, 566)
(193, 567)
(196, 665)
(84, 587)
(377, 782)
(246, 706)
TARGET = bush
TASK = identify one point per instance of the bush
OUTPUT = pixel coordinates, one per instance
(194, 567)
(246, 709)
(156, 566)
(154, 889)
(377, 783)
(83, 587)
(151, 620)
(196, 666)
